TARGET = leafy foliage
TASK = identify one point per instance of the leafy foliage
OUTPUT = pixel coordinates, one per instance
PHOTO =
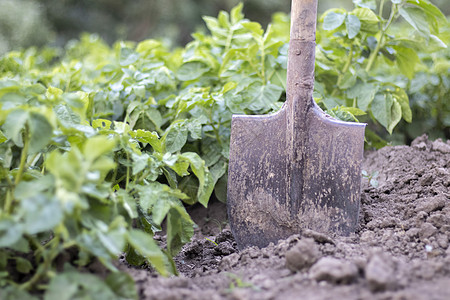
(365, 62)
(100, 145)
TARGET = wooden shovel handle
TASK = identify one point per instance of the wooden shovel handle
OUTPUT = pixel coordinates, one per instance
(303, 20)
(301, 60)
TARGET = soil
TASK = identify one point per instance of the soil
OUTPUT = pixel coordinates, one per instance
(400, 251)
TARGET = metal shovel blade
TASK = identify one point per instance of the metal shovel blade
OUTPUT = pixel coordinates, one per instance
(298, 168)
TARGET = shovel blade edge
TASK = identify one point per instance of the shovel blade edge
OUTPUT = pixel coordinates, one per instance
(256, 191)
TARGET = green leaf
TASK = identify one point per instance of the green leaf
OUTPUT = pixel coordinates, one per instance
(147, 46)
(368, 19)
(122, 284)
(192, 70)
(10, 232)
(140, 162)
(371, 4)
(206, 182)
(429, 9)
(220, 189)
(12, 292)
(262, 97)
(175, 137)
(3, 138)
(157, 198)
(354, 111)
(402, 98)
(73, 285)
(364, 94)
(148, 137)
(102, 124)
(53, 93)
(333, 20)
(23, 265)
(40, 132)
(236, 13)
(144, 244)
(254, 28)
(381, 109)
(396, 115)
(134, 258)
(348, 80)
(417, 19)
(21, 246)
(66, 115)
(331, 102)
(14, 125)
(28, 189)
(98, 146)
(41, 213)
(352, 25)
(179, 229)
(128, 57)
(406, 60)
(386, 110)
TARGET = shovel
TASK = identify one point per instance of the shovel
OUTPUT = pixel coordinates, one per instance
(298, 168)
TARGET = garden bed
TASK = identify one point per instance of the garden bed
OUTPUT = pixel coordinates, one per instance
(400, 251)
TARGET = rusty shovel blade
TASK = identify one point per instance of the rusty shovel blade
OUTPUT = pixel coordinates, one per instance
(298, 168)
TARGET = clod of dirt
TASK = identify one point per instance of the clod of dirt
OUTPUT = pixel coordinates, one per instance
(426, 230)
(303, 255)
(334, 270)
(431, 204)
(204, 254)
(229, 262)
(380, 273)
(317, 236)
(439, 145)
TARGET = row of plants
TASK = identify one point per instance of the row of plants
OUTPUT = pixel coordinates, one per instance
(101, 147)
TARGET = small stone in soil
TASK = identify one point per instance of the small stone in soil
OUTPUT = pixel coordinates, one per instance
(224, 248)
(439, 145)
(303, 255)
(334, 270)
(380, 273)
(229, 262)
(427, 230)
(224, 236)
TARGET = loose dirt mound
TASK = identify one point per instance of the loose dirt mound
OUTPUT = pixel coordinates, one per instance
(401, 250)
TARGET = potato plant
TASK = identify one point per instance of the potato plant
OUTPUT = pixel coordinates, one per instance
(100, 145)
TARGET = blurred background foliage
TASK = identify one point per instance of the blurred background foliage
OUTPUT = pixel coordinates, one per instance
(25, 23)
(36, 22)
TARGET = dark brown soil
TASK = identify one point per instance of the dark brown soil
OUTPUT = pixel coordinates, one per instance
(401, 250)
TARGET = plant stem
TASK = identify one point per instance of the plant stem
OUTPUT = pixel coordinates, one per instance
(128, 172)
(229, 39)
(344, 70)
(9, 197)
(48, 256)
(263, 63)
(216, 131)
(380, 12)
(23, 157)
(8, 202)
(380, 43)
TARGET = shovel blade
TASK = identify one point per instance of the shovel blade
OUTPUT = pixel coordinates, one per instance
(273, 193)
